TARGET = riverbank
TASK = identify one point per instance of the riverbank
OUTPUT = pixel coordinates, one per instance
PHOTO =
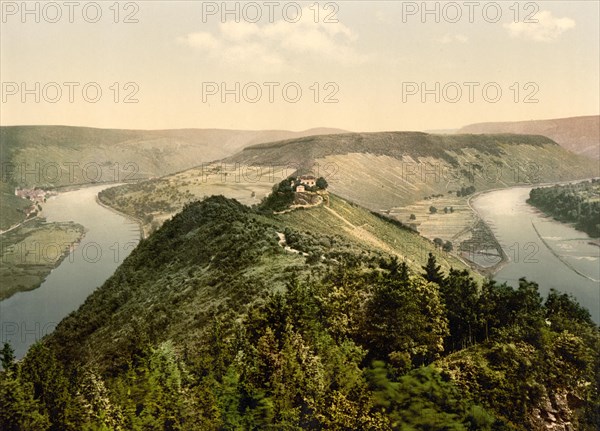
(129, 217)
(575, 204)
(539, 248)
(32, 251)
(504, 260)
(108, 240)
(559, 257)
(591, 241)
(33, 248)
(18, 225)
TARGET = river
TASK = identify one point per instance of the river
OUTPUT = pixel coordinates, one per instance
(27, 316)
(553, 254)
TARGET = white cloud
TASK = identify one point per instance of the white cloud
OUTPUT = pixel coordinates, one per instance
(547, 29)
(238, 31)
(203, 41)
(449, 38)
(277, 44)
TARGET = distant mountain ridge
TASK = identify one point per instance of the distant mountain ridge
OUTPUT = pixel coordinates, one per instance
(391, 169)
(393, 144)
(54, 156)
(157, 152)
(578, 134)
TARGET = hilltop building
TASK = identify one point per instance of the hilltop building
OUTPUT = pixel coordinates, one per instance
(308, 180)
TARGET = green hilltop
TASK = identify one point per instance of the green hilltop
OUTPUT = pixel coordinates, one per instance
(424, 181)
(211, 247)
(228, 317)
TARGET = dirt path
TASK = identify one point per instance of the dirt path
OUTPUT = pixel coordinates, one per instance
(18, 225)
(286, 247)
(294, 207)
(362, 234)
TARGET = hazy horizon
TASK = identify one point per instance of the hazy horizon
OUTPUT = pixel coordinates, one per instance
(382, 65)
(425, 130)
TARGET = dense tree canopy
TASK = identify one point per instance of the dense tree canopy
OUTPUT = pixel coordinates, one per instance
(573, 203)
(351, 344)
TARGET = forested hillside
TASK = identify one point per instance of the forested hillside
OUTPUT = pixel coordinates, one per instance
(571, 203)
(211, 324)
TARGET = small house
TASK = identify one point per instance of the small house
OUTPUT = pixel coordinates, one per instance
(308, 180)
(300, 188)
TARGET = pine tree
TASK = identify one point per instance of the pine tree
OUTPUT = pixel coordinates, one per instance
(433, 271)
(405, 320)
(461, 296)
(19, 410)
(397, 270)
(51, 385)
(403, 272)
(7, 356)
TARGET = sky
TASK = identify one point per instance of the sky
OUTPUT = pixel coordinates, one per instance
(355, 65)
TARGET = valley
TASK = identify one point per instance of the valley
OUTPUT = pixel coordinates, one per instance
(300, 216)
(393, 207)
(211, 304)
(209, 267)
(57, 156)
(395, 174)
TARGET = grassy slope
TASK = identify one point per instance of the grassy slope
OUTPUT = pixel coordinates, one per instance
(154, 201)
(11, 206)
(369, 231)
(199, 264)
(386, 170)
(112, 155)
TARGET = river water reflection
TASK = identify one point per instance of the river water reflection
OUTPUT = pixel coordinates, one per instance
(553, 254)
(27, 316)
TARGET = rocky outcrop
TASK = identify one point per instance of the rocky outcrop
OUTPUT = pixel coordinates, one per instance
(555, 412)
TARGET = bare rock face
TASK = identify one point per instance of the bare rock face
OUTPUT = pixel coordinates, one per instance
(555, 412)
